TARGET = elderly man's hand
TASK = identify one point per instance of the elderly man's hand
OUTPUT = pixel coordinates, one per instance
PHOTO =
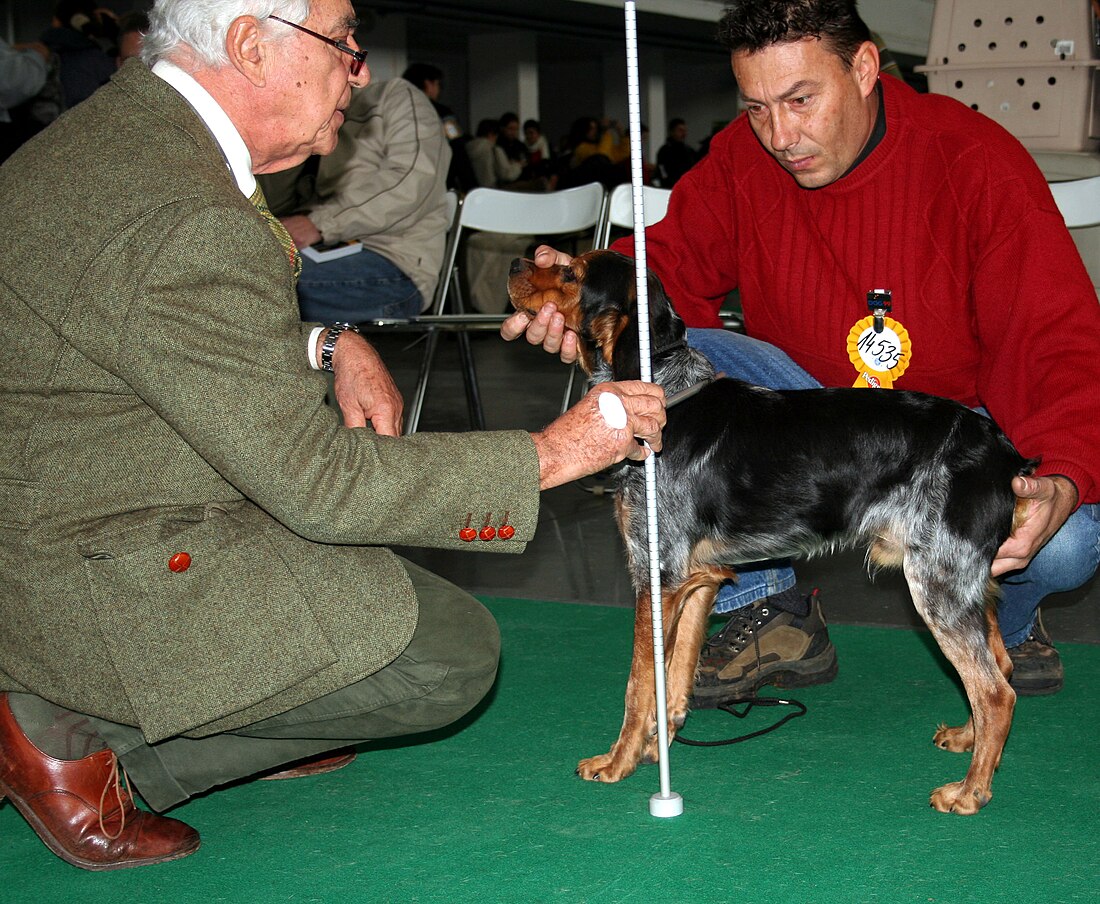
(1051, 500)
(364, 389)
(548, 327)
(581, 442)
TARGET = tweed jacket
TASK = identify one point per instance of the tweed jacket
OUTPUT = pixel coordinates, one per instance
(156, 398)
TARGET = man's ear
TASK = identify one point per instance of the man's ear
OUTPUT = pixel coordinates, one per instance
(865, 67)
(248, 52)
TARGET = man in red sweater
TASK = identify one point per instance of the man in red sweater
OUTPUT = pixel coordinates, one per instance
(839, 191)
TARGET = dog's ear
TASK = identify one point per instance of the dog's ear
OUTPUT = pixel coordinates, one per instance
(665, 328)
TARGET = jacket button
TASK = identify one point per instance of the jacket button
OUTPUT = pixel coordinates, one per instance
(181, 561)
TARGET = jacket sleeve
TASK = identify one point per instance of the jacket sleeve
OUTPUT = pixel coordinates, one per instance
(211, 342)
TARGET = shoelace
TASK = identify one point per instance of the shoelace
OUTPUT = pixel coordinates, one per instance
(115, 780)
(742, 625)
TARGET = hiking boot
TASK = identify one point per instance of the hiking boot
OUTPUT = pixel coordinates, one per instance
(1036, 665)
(765, 643)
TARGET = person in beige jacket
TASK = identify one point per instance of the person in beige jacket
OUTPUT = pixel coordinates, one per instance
(194, 579)
(384, 187)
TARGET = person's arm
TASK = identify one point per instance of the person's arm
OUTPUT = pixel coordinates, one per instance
(23, 70)
(384, 170)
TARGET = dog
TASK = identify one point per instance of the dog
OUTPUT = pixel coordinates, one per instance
(748, 473)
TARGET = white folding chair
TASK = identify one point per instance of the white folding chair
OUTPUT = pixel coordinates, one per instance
(544, 215)
(1079, 201)
(620, 210)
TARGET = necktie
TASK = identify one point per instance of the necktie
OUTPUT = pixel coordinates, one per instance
(295, 259)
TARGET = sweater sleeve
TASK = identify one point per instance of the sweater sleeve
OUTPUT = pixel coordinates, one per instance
(1038, 323)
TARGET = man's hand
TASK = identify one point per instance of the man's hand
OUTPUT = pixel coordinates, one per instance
(301, 229)
(548, 327)
(365, 391)
(1050, 501)
(580, 442)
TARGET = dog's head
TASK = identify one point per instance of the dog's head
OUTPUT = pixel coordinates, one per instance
(597, 295)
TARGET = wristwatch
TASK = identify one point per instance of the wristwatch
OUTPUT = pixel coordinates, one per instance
(329, 345)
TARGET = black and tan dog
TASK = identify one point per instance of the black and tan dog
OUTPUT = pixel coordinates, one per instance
(748, 473)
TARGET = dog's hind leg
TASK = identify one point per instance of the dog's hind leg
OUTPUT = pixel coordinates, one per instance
(693, 601)
(638, 720)
(959, 739)
(964, 637)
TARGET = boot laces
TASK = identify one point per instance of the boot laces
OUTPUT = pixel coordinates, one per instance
(739, 630)
(117, 782)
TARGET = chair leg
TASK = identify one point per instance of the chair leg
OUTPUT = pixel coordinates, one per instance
(567, 398)
(466, 356)
(412, 418)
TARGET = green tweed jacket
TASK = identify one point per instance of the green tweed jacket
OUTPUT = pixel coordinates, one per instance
(156, 398)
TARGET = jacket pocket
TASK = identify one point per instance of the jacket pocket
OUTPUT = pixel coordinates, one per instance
(203, 622)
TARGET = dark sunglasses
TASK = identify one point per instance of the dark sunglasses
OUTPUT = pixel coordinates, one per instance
(358, 57)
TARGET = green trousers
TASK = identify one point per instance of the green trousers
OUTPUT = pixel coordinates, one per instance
(447, 668)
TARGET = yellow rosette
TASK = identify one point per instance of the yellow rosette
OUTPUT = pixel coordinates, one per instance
(879, 358)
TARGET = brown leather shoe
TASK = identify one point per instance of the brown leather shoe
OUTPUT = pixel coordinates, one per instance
(80, 808)
(319, 765)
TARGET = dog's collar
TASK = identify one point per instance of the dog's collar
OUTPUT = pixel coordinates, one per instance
(672, 346)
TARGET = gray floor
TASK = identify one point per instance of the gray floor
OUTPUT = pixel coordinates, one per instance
(576, 555)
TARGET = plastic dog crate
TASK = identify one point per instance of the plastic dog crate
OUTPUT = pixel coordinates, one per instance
(1029, 66)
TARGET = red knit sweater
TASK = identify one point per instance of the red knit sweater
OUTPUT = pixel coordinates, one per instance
(952, 215)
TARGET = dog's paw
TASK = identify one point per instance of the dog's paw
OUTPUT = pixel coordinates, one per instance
(957, 740)
(957, 798)
(604, 768)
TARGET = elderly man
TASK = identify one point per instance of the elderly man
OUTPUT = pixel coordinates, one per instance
(193, 581)
(837, 183)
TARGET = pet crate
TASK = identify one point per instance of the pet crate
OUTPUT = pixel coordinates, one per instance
(1029, 66)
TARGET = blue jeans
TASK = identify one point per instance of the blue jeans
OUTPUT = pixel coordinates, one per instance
(355, 288)
(1066, 562)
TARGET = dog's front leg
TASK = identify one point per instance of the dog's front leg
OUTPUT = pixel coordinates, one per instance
(639, 721)
(687, 612)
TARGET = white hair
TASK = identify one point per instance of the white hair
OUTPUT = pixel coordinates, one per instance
(196, 29)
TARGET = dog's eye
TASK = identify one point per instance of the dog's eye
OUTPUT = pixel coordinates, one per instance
(568, 276)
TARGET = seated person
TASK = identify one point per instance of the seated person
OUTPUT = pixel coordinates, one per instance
(492, 167)
(384, 187)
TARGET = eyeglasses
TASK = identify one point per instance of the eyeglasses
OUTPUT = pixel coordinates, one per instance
(359, 57)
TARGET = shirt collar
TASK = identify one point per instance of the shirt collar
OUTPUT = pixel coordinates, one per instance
(235, 151)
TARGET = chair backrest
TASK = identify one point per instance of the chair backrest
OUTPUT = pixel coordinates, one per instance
(520, 213)
(1079, 201)
(620, 210)
(532, 213)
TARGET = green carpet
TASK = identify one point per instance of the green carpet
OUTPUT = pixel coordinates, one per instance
(833, 807)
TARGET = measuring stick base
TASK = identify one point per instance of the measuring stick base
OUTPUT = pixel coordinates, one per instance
(662, 806)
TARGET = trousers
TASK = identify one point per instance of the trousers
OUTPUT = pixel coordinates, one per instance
(355, 288)
(1065, 563)
(448, 667)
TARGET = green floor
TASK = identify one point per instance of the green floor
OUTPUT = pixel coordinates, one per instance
(831, 808)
